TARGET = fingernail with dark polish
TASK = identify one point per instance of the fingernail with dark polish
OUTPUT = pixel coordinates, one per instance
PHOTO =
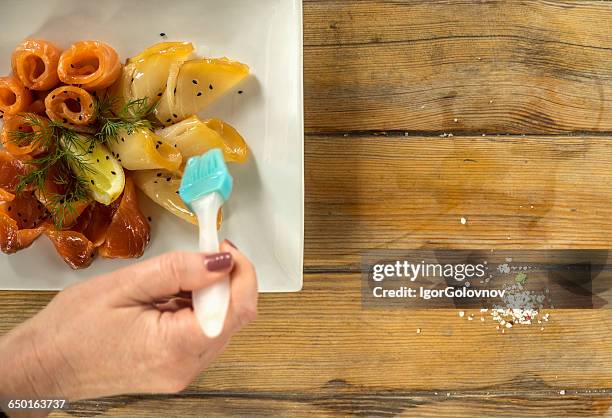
(231, 243)
(218, 262)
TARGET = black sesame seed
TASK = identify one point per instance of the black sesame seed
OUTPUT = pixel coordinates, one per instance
(159, 174)
(240, 92)
(149, 218)
(90, 105)
(92, 182)
(122, 139)
(199, 93)
(155, 181)
(159, 94)
(53, 96)
(132, 79)
(119, 159)
(175, 145)
(162, 34)
(1, 116)
(174, 115)
(113, 173)
(194, 81)
(157, 146)
(210, 86)
(107, 157)
(9, 208)
(80, 117)
(97, 160)
(71, 65)
(175, 90)
(177, 192)
(159, 142)
(168, 178)
(168, 120)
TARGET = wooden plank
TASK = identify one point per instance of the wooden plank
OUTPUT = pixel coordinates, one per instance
(534, 66)
(417, 405)
(376, 192)
(321, 342)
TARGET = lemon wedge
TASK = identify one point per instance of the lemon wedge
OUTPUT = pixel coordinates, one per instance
(94, 163)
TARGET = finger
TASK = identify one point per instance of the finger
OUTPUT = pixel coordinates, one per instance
(171, 274)
(243, 290)
(173, 305)
(242, 309)
(184, 294)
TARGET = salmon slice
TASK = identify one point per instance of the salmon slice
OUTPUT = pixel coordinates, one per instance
(93, 65)
(14, 97)
(70, 105)
(5, 195)
(73, 247)
(78, 245)
(21, 222)
(129, 232)
(21, 123)
(94, 222)
(35, 63)
(11, 169)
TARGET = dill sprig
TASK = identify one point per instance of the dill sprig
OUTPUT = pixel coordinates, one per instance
(131, 117)
(64, 147)
(64, 205)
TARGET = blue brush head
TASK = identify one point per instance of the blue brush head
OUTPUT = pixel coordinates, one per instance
(206, 174)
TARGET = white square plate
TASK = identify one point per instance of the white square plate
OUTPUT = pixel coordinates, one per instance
(264, 216)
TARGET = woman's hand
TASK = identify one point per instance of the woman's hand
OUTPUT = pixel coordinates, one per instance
(129, 331)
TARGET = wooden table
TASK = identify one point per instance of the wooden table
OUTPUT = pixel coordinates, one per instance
(525, 89)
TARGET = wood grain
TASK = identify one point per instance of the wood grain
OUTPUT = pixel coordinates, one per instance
(376, 192)
(321, 341)
(406, 405)
(529, 66)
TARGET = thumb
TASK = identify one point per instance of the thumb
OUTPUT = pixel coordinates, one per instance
(171, 273)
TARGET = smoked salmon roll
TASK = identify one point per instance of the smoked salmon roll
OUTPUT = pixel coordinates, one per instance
(70, 105)
(17, 145)
(92, 65)
(14, 96)
(35, 63)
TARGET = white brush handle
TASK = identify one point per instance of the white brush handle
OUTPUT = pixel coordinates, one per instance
(210, 304)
